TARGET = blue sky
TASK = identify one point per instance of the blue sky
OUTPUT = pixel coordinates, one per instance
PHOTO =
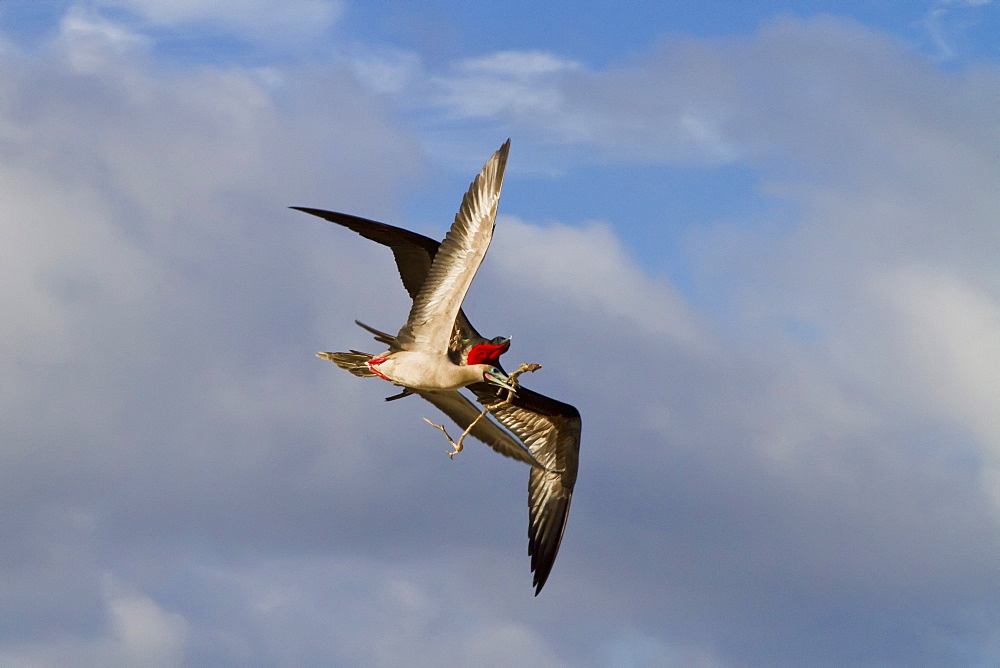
(754, 243)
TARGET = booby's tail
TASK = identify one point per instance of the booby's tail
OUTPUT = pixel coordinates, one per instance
(354, 361)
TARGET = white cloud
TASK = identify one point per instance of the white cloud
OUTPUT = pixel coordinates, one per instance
(966, 3)
(627, 112)
(710, 103)
(143, 632)
(139, 633)
(92, 41)
(145, 229)
(522, 65)
(266, 21)
(746, 497)
(588, 268)
(946, 23)
(506, 83)
(387, 70)
(946, 337)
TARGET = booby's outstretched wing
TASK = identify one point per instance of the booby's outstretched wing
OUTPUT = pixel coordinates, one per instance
(432, 318)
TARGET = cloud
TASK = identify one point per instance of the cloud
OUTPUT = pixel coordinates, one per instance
(185, 482)
(139, 632)
(947, 349)
(93, 41)
(626, 112)
(144, 632)
(387, 70)
(611, 286)
(265, 21)
(132, 288)
(510, 82)
(948, 23)
(865, 425)
(713, 102)
(966, 3)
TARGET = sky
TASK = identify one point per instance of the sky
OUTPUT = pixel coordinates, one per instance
(756, 244)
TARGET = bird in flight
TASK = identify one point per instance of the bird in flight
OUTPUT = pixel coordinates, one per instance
(443, 352)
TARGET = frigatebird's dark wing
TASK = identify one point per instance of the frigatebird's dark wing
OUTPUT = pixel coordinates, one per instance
(413, 254)
(551, 431)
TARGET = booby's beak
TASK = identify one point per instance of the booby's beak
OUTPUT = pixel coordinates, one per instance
(498, 377)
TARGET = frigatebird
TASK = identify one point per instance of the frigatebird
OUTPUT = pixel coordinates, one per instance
(548, 430)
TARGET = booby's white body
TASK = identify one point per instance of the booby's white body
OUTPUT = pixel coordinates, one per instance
(425, 371)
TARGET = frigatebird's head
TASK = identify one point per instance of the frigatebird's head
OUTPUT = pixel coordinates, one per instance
(495, 376)
(489, 352)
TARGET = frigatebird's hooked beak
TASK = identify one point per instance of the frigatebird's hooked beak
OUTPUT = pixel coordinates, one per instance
(498, 377)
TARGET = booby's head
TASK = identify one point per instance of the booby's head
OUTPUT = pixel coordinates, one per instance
(489, 352)
(495, 376)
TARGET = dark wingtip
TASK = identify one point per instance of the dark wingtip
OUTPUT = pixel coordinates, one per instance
(541, 578)
(541, 564)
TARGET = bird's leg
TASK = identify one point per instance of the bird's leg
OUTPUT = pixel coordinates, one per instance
(457, 445)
